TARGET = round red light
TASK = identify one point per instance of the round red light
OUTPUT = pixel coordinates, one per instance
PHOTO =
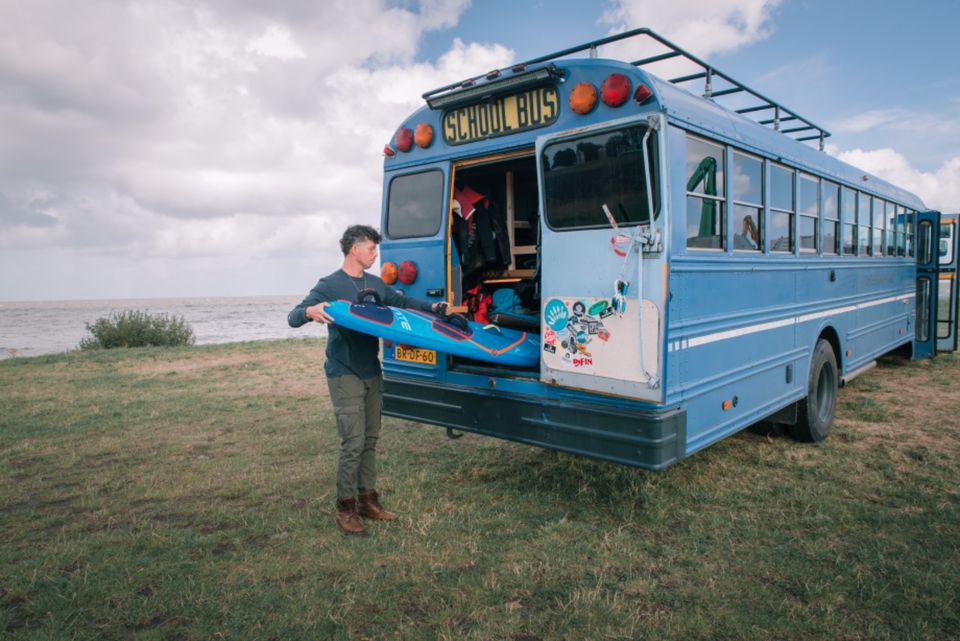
(388, 151)
(404, 139)
(388, 273)
(642, 94)
(615, 90)
(408, 272)
(583, 97)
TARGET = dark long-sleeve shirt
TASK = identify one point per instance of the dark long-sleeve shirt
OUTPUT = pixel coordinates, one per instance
(349, 351)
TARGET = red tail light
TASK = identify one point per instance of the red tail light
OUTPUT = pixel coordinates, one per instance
(615, 90)
(404, 139)
(642, 94)
(408, 272)
(388, 272)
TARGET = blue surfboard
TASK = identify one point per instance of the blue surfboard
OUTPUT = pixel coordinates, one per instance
(430, 331)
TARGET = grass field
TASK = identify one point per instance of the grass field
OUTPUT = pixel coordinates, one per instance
(188, 493)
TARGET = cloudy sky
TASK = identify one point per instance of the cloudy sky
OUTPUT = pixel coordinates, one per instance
(153, 148)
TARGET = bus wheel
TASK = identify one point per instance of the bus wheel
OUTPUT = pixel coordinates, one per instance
(815, 415)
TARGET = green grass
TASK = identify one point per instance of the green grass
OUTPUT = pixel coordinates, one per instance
(187, 494)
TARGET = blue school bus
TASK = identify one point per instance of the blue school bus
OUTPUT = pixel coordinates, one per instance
(690, 260)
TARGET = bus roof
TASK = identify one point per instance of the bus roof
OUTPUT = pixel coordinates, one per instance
(738, 121)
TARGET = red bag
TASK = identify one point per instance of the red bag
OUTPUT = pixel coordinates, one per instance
(478, 304)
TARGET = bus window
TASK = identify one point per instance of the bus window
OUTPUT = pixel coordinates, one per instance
(415, 206)
(899, 228)
(890, 220)
(831, 217)
(849, 221)
(584, 174)
(908, 218)
(809, 213)
(705, 177)
(747, 202)
(781, 208)
(863, 211)
(879, 216)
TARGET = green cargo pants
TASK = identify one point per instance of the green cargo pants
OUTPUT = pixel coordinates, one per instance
(357, 404)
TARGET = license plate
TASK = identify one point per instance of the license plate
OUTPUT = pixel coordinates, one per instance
(415, 355)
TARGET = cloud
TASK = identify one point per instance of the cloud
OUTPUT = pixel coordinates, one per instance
(939, 189)
(222, 127)
(703, 27)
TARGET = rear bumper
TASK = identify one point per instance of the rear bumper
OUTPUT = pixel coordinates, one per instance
(647, 439)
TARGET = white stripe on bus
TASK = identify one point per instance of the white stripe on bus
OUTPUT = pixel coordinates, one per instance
(706, 339)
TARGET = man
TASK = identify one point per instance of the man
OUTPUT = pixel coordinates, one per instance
(354, 376)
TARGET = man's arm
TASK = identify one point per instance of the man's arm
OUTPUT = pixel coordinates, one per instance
(311, 308)
(395, 298)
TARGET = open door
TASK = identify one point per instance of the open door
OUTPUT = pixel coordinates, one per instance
(947, 306)
(928, 231)
(603, 263)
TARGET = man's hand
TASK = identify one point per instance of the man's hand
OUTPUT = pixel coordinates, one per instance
(318, 313)
(440, 308)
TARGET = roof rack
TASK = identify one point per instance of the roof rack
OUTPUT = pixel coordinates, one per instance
(758, 107)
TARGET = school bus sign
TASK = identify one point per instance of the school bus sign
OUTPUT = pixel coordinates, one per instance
(502, 116)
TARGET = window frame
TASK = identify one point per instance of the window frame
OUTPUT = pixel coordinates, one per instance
(440, 203)
(720, 198)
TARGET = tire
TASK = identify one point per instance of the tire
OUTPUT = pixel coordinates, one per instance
(815, 412)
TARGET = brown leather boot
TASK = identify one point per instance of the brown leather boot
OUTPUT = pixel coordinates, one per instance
(369, 507)
(347, 518)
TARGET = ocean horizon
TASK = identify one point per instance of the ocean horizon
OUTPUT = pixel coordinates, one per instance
(34, 328)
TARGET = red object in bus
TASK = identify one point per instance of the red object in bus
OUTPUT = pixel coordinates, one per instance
(615, 90)
(423, 135)
(408, 272)
(583, 98)
(404, 139)
(389, 273)
(642, 94)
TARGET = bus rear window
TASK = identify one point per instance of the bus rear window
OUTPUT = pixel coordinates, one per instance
(584, 174)
(414, 208)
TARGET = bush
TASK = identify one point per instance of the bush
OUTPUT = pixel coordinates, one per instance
(134, 328)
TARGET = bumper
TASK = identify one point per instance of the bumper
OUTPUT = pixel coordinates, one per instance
(647, 439)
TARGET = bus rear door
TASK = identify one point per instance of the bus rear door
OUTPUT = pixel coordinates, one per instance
(601, 260)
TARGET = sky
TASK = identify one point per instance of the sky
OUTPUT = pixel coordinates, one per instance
(175, 148)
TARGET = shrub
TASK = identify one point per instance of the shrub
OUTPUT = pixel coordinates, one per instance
(135, 328)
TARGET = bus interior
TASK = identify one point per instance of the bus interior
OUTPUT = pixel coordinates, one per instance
(495, 245)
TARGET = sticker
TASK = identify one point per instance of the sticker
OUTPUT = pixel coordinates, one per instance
(606, 313)
(579, 309)
(593, 327)
(598, 307)
(549, 336)
(603, 334)
(555, 314)
(550, 348)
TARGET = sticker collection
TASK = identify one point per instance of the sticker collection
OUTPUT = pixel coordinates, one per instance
(572, 326)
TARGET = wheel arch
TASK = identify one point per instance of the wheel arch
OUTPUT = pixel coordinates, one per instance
(829, 334)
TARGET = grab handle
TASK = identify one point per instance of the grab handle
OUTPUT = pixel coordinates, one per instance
(364, 294)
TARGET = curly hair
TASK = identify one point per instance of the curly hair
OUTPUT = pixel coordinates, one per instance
(356, 234)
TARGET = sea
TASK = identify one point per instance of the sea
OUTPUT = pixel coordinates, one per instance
(49, 327)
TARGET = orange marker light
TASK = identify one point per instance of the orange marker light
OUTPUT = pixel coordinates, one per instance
(727, 405)
(423, 135)
(615, 90)
(389, 274)
(583, 98)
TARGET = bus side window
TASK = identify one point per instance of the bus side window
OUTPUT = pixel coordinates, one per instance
(705, 198)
